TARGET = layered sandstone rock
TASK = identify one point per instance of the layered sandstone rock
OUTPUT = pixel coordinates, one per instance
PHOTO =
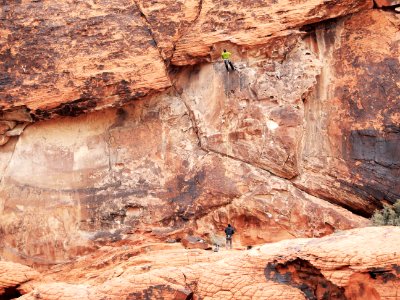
(246, 24)
(139, 173)
(169, 20)
(70, 57)
(383, 3)
(345, 265)
(255, 114)
(351, 143)
(14, 279)
(277, 211)
(311, 110)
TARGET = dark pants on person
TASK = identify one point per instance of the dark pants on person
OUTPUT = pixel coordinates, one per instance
(227, 64)
(228, 243)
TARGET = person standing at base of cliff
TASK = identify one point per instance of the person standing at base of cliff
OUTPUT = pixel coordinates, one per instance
(229, 231)
(226, 56)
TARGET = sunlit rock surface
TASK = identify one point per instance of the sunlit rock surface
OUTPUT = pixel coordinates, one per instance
(119, 124)
(15, 279)
(65, 58)
(137, 173)
(345, 265)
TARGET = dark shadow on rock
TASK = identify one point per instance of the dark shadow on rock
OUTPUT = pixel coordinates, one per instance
(302, 275)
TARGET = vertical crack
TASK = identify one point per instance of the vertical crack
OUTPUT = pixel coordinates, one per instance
(151, 32)
(198, 13)
(192, 117)
(108, 143)
(189, 27)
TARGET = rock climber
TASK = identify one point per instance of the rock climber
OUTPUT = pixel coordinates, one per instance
(226, 57)
(229, 231)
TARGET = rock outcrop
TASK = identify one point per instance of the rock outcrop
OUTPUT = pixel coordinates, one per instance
(384, 3)
(71, 57)
(351, 143)
(300, 141)
(66, 59)
(15, 279)
(246, 24)
(138, 172)
(345, 265)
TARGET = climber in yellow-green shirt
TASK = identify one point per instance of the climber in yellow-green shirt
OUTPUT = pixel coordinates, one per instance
(226, 57)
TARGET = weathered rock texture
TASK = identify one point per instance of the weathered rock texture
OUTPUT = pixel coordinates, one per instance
(254, 115)
(310, 115)
(14, 279)
(383, 3)
(253, 23)
(351, 143)
(67, 58)
(139, 172)
(72, 56)
(345, 265)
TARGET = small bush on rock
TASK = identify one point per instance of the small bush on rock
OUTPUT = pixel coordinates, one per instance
(389, 215)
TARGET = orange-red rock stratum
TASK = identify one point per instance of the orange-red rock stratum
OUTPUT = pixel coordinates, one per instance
(73, 56)
(357, 264)
(301, 141)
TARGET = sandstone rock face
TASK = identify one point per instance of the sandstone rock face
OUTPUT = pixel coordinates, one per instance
(351, 143)
(250, 23)
(14, 279)
(255, 114)
(70, 57)
(137, 173)
(273, 212)
(169, 20)
(382, 3)
(311, 116)
(345, 265)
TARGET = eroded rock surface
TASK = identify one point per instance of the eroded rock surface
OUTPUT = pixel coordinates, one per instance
(137, 173)
(253, 23)
(351, 143)
(14, 279)
(345, 265)
(311, 110)
(75, 56)
(256, 113)
(71, 57)
(384, 3)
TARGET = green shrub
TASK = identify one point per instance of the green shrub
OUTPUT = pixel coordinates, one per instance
(389, 215)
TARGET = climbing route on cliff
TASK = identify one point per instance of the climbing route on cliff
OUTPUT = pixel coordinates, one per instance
(152, 124)
(226, 56)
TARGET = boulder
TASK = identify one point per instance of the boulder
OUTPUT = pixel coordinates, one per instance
(194, 242)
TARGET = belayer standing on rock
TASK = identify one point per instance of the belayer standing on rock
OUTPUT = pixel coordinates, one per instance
(229, 231)
(226, 56)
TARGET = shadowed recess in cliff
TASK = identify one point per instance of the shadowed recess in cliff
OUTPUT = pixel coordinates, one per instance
(350, 154)
(10, 293)
(303, 275)
(372, 152)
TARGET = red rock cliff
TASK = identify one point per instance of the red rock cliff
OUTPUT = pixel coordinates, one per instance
(136, 131)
